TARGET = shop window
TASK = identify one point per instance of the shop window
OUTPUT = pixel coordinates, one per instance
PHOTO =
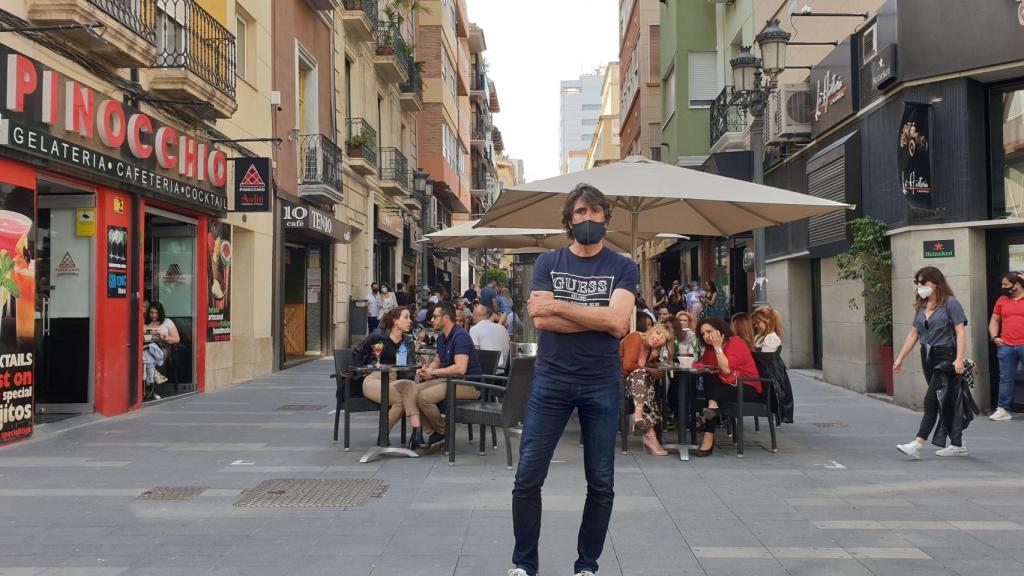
(1011, 151)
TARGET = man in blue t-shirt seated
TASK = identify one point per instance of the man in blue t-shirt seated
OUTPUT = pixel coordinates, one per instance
(488, 296)
(456, 356)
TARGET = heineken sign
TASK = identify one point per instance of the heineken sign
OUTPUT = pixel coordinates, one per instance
(939, 249)
(49, 115)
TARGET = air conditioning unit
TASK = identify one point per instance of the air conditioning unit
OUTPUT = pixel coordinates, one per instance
(788, 117)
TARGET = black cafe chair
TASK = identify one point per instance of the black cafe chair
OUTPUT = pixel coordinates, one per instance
(755, 407)
(349, 398)
(515, 393)
(488, 366)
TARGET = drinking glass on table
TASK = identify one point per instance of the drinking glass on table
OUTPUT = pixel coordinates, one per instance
(378, 348)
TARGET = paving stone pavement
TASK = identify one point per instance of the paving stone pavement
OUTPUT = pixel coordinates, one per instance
(836, 499)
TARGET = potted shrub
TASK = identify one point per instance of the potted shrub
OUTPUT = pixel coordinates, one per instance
(354, 145)
(870, 261)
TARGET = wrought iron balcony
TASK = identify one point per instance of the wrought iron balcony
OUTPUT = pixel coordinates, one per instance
(394, 170)
(390, 44)
(360, 18)
(319, 169)
(195, 56)
(477, 81)
(412, 91)
(479, 131)
(726, 117)
(128, 37)
(361, 146)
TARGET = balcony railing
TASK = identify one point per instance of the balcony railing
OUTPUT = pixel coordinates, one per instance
(477, 81)
(479, 131)
(414, 85)
(359, 128)
(319, 161)
(394, 167)
(726, 117)
(139, 16)
(389, 35)
(189, 37)
(369, 7)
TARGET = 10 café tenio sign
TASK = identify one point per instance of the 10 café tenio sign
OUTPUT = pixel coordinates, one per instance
(46, 114)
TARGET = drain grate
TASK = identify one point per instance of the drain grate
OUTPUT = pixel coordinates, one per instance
(298, 407)
(173, 493)
(829, 424)
(312, 493)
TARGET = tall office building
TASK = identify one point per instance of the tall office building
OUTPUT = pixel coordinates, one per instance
(581, 108)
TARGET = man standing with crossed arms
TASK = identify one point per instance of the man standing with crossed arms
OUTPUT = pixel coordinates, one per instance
(580, 302)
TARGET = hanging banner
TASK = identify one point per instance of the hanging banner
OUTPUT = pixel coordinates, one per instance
(218, 271)
(914, 157)
(17, 323)
(252, 185)
(117, 262)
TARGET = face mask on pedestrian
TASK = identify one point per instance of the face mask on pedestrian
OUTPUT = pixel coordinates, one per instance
(924, 292)
(589, 232)
(375, 290)
(383, 290)
(1009, 291)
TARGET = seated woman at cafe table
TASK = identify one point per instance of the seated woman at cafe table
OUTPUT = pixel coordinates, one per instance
(640, 353)
(731, 357)
(688, 340)
(159, 330)
(394, 331)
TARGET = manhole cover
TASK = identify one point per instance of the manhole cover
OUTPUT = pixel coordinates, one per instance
(829, 424)
(173, 493)
(312, 493)
(297, 407)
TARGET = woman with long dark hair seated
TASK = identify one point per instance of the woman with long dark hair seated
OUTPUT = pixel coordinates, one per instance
(731, 356)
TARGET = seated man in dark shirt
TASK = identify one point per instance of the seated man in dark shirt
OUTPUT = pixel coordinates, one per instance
(456, 356)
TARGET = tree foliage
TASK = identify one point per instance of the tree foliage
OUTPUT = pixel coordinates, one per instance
(869, 260)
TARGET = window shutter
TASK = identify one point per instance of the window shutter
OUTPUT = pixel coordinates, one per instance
(828, 182)
(703, 78)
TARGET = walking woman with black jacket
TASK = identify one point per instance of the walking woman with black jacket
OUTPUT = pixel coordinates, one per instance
(939, 325)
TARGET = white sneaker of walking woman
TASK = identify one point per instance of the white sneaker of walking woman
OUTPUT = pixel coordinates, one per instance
(1001, 414)
(913, 449)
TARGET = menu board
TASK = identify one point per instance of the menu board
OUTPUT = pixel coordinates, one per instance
(218, 273)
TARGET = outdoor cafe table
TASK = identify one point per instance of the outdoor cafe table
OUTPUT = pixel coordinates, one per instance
(383, 447)
(683, 378)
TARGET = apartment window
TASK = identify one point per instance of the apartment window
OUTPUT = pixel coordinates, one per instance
(306, 92)
(703, 79)
(169, 35)
(590, 122)
(454, 153)
(586, 137)
(449, 7)
(591, 107)
(245, 48)
(656, 154)
(448, 74)
(669, 86)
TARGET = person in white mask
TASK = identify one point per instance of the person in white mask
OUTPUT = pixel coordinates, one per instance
(939, 325)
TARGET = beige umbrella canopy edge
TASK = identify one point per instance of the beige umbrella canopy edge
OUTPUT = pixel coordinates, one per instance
(468, 235)
(650, 197)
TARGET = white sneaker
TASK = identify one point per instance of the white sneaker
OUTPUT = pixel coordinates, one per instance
(517, 572)
(1001, 414)
(912, 449)
(952, 451)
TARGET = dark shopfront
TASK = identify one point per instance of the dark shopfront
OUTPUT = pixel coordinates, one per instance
(925, 132)
(85, 196)
(307, 281)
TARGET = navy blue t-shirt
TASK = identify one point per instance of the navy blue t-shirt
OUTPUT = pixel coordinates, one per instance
(458, 342)
(589, 355)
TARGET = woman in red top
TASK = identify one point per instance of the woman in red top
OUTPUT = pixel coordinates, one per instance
(731, 356)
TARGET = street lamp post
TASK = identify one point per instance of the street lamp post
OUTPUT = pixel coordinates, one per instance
(750, 92)
(420, 188)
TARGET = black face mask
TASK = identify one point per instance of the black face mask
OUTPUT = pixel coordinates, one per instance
(1007, 291)
(589, 232)
(375, 290)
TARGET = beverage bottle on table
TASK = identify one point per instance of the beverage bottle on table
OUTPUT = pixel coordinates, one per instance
(402, 358)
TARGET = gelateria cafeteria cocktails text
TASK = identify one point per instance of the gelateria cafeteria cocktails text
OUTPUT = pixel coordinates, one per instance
(62, 103)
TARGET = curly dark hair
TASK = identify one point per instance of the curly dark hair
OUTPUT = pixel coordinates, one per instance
(716, 323)
(591, 196)
(389, 319)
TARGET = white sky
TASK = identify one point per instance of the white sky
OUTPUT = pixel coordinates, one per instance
(532, 45)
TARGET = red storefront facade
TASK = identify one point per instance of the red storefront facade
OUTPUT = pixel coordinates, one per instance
(123, 209)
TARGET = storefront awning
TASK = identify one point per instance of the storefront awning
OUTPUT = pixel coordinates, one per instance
(314, 223)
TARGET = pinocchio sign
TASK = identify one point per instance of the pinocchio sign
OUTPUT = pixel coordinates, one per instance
(47, 114)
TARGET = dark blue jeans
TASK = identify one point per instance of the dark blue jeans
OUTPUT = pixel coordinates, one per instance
(551, 403)
(1009, 358)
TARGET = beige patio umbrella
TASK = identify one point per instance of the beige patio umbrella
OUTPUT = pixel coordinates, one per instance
(467, 235)
(651, 197)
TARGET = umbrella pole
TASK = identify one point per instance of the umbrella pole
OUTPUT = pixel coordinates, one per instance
(634, 234)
